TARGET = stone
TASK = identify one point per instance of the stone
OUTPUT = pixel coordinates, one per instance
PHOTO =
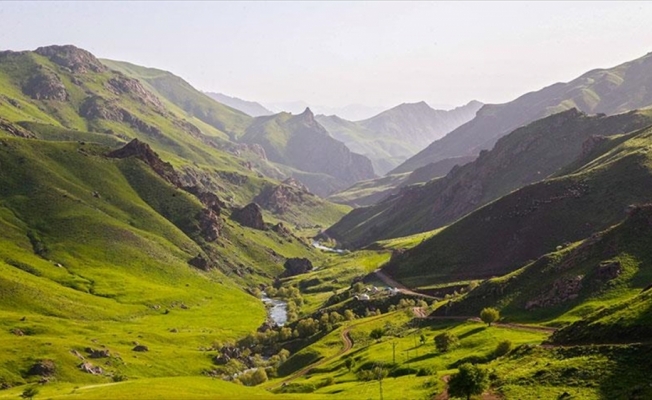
(250, 216)
(91, 369)
(296, 266)
(43, 368)
(140, 348)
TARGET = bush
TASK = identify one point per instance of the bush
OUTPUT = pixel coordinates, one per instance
(446, 341)
(377, 333)
(425, 372)
(503, 348)
(489, 315)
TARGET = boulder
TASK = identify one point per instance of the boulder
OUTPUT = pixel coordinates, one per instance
(209, 224)
(200, 262)
(91, 369)
(143, 152)
(43, 368)
(140, 348)
(93, 353)
(296, 266)
(250, 216)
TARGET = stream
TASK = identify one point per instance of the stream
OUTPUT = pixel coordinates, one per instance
(319, 246)
(278, 312)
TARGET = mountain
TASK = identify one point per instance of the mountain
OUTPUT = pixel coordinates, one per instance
(299, 141)
(368, 193)
(607, 266)
(525, 224)
(398, 133)
(610, 91)
(248, 107)
(529, 154)
(351, 112)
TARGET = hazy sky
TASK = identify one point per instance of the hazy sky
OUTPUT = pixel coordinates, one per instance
(339, 53)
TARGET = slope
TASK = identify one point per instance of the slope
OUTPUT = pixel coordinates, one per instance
(610, 91)
(527, 155)
(501, 236)
(96, 252)
(251, 108)
(398, 133)
(300, 142)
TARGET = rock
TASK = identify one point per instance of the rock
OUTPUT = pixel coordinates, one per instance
(296, 266)
(609, 270)
(45, 85)
(209, 224)
(18, 332)
(72, 58)
(141, 348)
(563, 289)
(43, 368)
(142, 151)
(278, 199)
(92, 353)
(200, 262)
(121, 85)
(15, 130)
(90, 368)
(250, 216)
(281, 229)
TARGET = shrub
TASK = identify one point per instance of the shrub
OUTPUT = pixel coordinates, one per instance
(503, 348)
(445, 341)
(377, 333)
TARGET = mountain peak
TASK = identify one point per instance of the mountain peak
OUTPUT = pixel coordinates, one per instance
(71, 57)
(307, 116)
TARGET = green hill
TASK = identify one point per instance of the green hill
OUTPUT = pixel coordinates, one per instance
(529, 154)
(503, 235)
(299, 141)
(96, 251)
(610, 91)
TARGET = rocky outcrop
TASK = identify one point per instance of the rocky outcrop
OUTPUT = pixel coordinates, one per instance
(200, 262)
(143, 152)
(209, 224)
(43, 368)
(45, 85)
(91, 369)
(296, 266)
(94, 353)
(563, 290)
(72, 58)
(96, 107)
(281, 229)
(122, 85)
(15, 130)
(250, 216)
(279, 199)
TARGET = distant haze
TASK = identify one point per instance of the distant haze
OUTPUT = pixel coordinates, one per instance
(336, 54)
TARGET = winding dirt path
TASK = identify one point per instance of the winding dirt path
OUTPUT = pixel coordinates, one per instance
(347, 345)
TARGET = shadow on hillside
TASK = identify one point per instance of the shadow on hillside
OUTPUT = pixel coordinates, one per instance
(472, 332)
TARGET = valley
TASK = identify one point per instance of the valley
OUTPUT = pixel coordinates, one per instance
(158, 243)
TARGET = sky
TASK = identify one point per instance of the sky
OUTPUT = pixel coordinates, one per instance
(340, 53)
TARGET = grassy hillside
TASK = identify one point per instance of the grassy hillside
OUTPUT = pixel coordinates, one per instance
(529, 154)
(610, 91)
(300, 142)
(502, 236)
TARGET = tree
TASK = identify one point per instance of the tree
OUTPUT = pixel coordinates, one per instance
(445, 341)
(422, 339)
(379, 374)
(489, 315)
(349, 315)
(377, 333)
(349, 363)
(30, 392)
(469, 381)
(503, 348)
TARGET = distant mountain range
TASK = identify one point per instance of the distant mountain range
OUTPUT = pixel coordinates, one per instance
(351, 112)
(398, 133)
(248, 107)
(625, 87)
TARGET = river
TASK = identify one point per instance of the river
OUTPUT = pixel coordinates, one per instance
(319, 246)
(278, 311)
